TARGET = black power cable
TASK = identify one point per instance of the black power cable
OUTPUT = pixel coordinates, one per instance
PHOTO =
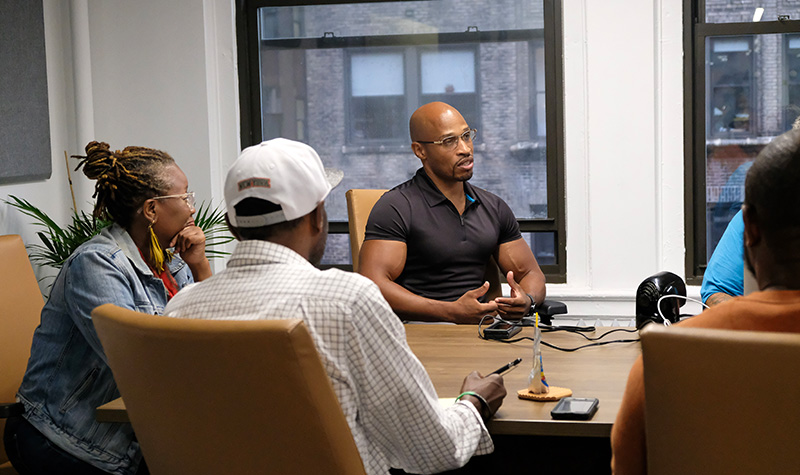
(571, 329)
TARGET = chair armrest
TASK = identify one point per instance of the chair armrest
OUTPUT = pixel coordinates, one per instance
(11, 409)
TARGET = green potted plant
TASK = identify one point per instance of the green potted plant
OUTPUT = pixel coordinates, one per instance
(59, 242)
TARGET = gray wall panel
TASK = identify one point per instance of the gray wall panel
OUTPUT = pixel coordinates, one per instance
(24, 118)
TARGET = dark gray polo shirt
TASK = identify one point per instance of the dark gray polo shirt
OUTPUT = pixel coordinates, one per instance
(447, 253)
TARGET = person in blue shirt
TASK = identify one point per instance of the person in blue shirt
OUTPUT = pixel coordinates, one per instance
(724, 275)
(144, 193)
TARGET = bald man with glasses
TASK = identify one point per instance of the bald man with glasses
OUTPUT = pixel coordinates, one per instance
(428, 241)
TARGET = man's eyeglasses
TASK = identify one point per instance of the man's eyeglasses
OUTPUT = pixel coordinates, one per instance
(187, 197)
(451, 141)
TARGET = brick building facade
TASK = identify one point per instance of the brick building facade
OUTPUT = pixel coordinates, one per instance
(308, 93)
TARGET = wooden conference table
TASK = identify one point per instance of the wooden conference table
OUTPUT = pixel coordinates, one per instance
(449, 352)
(525, 435)
(526, 439)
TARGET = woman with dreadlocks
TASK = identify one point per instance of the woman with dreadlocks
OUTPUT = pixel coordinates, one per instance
(144, 193)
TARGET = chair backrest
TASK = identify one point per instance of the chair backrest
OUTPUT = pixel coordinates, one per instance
(359, 205)
(21, 302)
(222, 396)
(721, 401)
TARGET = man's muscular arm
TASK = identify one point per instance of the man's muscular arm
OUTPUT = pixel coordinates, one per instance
(383, 261)
(524, 277)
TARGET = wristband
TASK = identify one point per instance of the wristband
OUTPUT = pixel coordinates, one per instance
(532, 307)
(478, 397)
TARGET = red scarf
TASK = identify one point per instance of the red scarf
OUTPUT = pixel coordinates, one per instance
(166, 277)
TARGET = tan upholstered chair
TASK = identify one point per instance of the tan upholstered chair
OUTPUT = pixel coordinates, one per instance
(359, 205)
(22, 304)
(222, 396)
(721, 401)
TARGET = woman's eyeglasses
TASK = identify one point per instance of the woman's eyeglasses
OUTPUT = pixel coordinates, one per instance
(187, 197)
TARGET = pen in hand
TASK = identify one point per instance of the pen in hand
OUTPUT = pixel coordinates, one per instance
(508, 367)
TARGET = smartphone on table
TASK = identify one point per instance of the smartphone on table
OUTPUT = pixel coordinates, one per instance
(575, 408)
(500, 330)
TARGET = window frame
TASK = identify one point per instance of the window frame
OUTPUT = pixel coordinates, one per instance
(695, 33)
(250, 102)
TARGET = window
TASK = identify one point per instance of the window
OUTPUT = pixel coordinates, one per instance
(378, 96)
(346, 77)
(730, 86)
(742, 90)
(450, 76)
(792, 110)
(537, 109)
(384, 92)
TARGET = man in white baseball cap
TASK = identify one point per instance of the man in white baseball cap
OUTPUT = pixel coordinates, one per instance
(275, 196)
(272, 186)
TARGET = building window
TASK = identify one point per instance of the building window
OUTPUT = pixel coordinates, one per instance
(384, 93)
(346, 77)
(792, 111)
(730, 91)
(742, 90)
(378, 96)
(537, 109)
(450, 76)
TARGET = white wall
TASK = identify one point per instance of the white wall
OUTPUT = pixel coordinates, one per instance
(151, 73)
(623, 119)
(52, 195)
(163, 74)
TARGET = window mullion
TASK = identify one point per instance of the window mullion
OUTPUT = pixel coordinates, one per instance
(413, 77)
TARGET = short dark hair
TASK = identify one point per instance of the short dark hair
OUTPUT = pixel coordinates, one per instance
(255, 207)
(772, 186)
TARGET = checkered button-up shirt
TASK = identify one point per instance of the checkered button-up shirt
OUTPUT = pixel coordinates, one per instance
(385, 393)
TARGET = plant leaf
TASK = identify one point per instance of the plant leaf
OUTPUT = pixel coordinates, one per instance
(59, 243)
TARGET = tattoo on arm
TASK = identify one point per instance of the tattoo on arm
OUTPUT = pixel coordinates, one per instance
(717, 298)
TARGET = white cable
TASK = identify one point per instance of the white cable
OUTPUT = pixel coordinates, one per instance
(658, 305)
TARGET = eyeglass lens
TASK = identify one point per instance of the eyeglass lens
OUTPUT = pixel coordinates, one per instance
(452, 141)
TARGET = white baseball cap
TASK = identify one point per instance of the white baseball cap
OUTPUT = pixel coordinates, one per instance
(287, 173)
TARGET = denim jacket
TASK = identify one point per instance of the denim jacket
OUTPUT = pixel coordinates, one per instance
(68, 375)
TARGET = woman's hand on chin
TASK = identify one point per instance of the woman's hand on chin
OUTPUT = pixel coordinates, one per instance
(190, 244)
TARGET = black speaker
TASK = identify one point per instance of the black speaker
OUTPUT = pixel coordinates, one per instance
(649, 293)
(548, 308)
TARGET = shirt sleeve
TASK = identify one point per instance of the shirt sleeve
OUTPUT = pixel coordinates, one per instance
(93, 279)
(389, 218)
(509, 227)
(725, 270)
(398, 406)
